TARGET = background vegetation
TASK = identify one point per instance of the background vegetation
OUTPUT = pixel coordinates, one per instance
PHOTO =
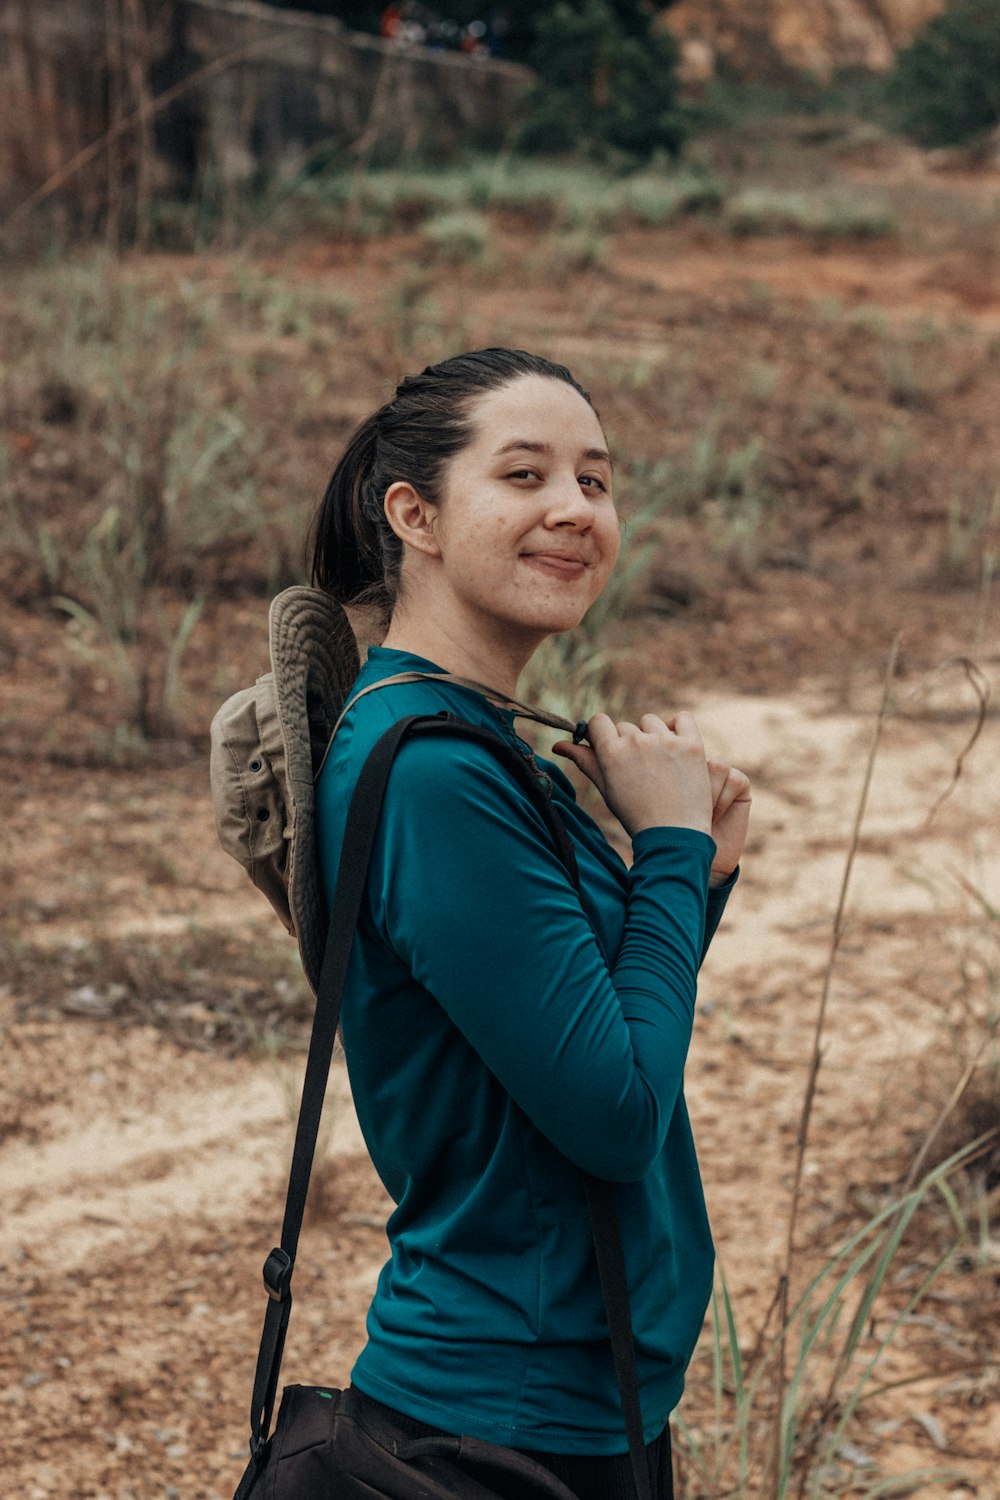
(946, 86)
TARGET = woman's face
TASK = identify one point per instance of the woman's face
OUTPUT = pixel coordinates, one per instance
(527, 531)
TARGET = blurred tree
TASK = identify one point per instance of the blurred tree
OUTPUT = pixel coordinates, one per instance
(946, 85)
(607, 82)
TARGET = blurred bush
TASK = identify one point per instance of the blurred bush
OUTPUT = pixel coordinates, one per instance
(607, 84)
(946, 85)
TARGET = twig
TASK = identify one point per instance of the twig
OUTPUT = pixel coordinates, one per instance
(981, 689)
(972, 1367)
(991, 911)
(114, 63)
(814, 1067)
(987, 570)
(138, 60)
(361, 149)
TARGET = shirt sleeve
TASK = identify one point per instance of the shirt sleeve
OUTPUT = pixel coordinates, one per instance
(718, 895)
(467, 888)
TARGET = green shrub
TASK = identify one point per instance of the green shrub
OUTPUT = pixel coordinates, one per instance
(568, 195)
(658, 200)
(759, 210)
(572, 251)
(946, 86)
(458, 238)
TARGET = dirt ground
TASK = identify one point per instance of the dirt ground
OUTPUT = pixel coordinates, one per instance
(152, 1019)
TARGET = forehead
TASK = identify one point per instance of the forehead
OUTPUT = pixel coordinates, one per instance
(536, 408)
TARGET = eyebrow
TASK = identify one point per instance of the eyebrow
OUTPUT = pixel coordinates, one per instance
(524, 445)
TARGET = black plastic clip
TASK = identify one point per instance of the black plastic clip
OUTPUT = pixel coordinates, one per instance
(278, 1274)
(580, 732)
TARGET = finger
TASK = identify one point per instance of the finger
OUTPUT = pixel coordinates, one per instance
(735, 788)
(685, 719)
(602, 730)
(743, 792)
(720, 773)
(582, 757)
(740, 782)
(654, 724)
(685, 726)
(717, 774)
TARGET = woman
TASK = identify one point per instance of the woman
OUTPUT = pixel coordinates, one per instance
(503, 1032)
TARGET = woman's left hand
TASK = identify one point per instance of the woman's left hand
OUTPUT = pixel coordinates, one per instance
(730, 816)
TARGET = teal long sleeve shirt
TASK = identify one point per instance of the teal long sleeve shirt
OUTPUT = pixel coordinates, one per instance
(503, 1031)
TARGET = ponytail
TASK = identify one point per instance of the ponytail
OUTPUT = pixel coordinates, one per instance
(355, 552)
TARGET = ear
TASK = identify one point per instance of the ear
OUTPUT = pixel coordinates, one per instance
(411, 517)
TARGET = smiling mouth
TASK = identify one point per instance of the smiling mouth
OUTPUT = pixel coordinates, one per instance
(559, 564)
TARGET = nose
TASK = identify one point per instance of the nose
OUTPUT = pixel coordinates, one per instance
(568, 505)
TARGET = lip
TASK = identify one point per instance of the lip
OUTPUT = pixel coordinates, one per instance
(561, 564)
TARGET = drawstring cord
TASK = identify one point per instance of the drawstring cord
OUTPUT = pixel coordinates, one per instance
(521, 710)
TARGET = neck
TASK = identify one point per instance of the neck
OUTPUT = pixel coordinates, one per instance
(495, 663)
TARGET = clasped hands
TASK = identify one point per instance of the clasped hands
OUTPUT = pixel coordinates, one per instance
(656, 774)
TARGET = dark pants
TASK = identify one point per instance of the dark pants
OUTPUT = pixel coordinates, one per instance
(597, 1477)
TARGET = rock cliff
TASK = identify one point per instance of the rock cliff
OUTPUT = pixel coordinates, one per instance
(763, 38)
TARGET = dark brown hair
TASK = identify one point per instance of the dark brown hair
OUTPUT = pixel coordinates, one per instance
(355, 554)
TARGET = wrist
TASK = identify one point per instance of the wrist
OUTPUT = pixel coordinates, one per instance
(644, 824)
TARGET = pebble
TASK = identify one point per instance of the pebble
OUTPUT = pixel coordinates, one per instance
(85, 1000)
(855, 1455)
(933, 1429)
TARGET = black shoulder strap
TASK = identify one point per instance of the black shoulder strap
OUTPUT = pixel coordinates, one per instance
(359, 837)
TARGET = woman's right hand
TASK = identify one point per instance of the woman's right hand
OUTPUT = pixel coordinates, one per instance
(653, 774)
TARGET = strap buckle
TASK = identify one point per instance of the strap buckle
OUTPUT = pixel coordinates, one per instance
(278, 1275)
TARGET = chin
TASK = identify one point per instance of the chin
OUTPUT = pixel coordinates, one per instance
(557, 622)
(539, 618)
